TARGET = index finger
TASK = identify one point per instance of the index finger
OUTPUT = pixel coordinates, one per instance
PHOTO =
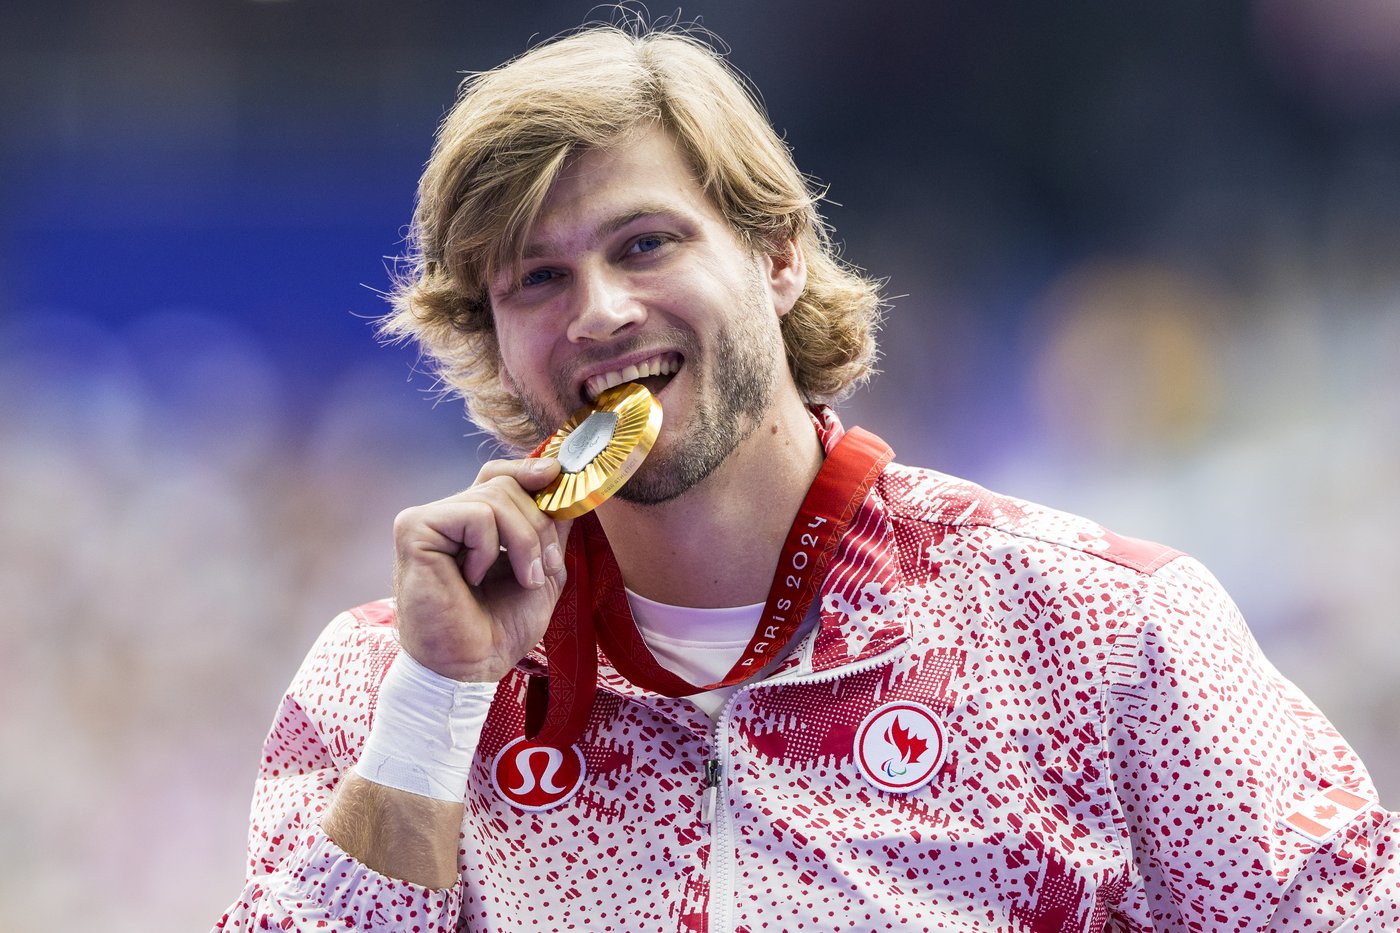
(532, 474)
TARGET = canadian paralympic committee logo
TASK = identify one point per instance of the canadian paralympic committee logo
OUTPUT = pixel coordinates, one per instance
(537, 777)
(899, 746)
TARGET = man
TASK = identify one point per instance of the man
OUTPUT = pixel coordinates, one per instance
(993, 717)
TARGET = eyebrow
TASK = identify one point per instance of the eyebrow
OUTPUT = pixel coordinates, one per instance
(537, 248)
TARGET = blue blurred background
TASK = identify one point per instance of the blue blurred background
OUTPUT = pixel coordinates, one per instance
(1147, 268)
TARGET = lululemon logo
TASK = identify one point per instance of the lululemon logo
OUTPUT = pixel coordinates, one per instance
(899, 746)
(532, 776)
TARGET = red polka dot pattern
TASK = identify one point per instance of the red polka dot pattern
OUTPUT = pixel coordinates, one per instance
(1119, 755)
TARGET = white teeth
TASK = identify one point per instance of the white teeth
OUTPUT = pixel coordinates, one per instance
(661, 365)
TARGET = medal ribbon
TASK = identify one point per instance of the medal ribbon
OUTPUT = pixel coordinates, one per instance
(596, 611)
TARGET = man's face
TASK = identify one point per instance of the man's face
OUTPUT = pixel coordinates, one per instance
(631, 274)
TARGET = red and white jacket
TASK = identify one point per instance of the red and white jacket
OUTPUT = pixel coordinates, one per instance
(1113, 754)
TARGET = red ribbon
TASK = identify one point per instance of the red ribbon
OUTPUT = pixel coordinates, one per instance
(593, 608)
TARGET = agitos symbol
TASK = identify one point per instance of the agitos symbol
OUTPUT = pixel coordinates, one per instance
(899, 746)
(909, 747)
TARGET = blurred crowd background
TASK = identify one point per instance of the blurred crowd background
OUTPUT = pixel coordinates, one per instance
(1146, 267)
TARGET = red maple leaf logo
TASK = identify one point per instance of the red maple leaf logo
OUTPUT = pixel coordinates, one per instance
(910, 748)
(1325, 811)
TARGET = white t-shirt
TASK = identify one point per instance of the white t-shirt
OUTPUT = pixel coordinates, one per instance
(702, 645)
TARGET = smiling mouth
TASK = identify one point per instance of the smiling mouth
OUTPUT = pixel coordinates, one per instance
(654, 373)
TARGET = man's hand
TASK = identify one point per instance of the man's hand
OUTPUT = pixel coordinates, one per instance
(476, 576)
(468, 609)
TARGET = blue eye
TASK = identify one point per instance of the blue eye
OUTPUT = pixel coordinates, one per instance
(537, 277)
(648, 243)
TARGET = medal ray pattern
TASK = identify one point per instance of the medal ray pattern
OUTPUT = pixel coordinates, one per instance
(638, 422)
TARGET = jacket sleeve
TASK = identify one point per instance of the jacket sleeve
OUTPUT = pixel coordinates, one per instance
(1215, 758)
(297, 878)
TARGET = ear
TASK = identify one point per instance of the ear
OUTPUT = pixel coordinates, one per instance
(786, 272)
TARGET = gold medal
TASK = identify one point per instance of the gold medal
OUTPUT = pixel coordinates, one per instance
(599, 448)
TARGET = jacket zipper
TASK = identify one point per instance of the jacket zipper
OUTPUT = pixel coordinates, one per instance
(721, 897)
(713, 776)
(835, 673)
(714, 808)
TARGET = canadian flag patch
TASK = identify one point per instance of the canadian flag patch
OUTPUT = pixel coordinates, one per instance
(1325, 812)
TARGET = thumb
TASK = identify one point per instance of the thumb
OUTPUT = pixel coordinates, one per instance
(563, 527)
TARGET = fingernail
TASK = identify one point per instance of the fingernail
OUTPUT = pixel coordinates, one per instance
(536, 573)
(553, 559)
(540, 464)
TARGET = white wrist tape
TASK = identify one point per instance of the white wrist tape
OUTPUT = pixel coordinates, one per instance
(425, 731)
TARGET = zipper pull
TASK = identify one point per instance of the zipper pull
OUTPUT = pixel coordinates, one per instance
(710, 798)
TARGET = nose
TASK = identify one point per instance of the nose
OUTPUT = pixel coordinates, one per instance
(606, 306)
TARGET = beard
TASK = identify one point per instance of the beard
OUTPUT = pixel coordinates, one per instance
(733, 389)
(732, 396)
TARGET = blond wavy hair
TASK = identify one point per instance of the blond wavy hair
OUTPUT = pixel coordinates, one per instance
(502, 145)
